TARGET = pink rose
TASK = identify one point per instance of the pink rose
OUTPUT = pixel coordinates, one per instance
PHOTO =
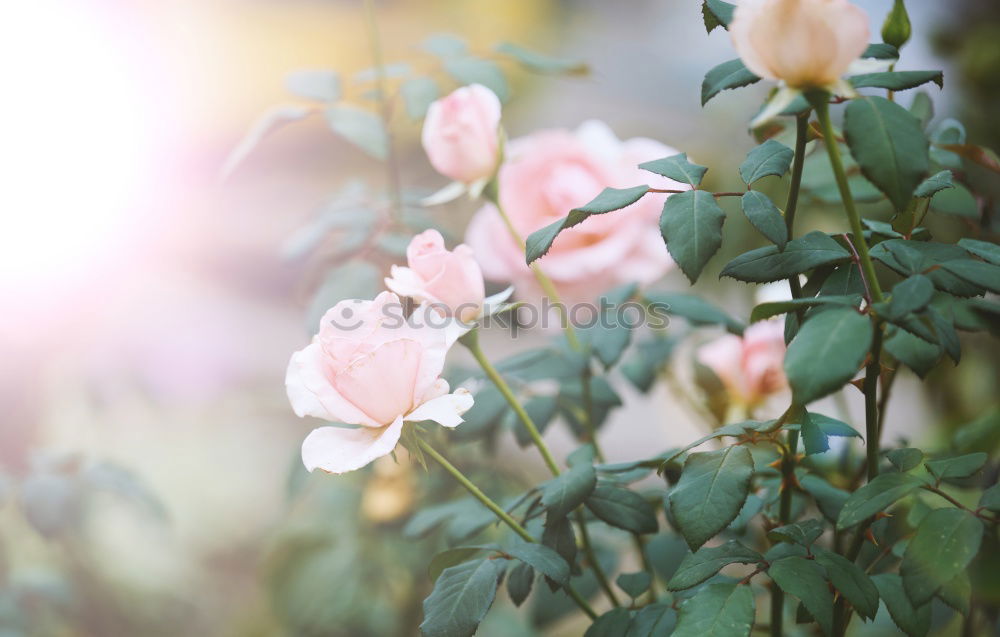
(805, 43)
(750, 368)
(440, 277)
(370, 366)
(461, 134)
(547, 174)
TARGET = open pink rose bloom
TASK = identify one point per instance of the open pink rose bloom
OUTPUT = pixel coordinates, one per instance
(550, 172)
(370, 366)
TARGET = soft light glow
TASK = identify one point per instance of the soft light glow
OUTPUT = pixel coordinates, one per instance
(77, 144)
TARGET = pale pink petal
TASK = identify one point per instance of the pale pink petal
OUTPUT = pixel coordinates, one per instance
(312, 394)
(382, 383)
(339, 450)
(405, 282)
(445, 410)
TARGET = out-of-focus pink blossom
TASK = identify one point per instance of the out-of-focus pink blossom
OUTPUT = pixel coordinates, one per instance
(750, 367)
(445, 279)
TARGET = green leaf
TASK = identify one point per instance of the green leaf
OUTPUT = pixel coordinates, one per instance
(721, 11)
(634, 584)
(979, 273)
(718, 610)
(676, 167)
(934, 183)
(558, 536)
(774, 308)
(829, 499)
(694, 309)
(539, 63)
(649, 358)
(710, 493)
(653, 620)
(914, 621)
(361, 128)
(418, 93)
(471, 70)
(913, 351)
(989, 252)
(889, 146)
(957, 593)
(765, 217)
(802, 533)
(826, 353)
(878, 495)
(567, 491)
(321, 85)
(709, 560)
(539, 242)
(519, 583)
(622, 508)
(990, 499)
(911, 295)
(768, 264)
(896, 80)
(444, 45)
(691, 225)
(848, 578)
(806, 580)
(733, 429)
(813, 439)
(906, 459)
(542, 558)
(730, 74)
(944, 544)
(611, 624)
(832, 426)
(958, 466)
(454, 556)
(461, 597)
(770, 158)
(541, 409)
(881, 51)
(956, 201)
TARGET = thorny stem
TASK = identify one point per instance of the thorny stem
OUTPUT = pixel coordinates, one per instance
(385, 110)
(872, 429)
(549, 288)
(499, 512)
(784, 517)
(791, 204)
(471, 341)
(833, 150)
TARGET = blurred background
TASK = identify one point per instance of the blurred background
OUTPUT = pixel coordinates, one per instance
(149, 479)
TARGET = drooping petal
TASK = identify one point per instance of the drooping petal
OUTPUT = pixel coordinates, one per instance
(445, 410)
(339, 450)
(311, 392)
(778, 103)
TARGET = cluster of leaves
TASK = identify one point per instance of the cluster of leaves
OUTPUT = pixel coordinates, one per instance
(753, 517)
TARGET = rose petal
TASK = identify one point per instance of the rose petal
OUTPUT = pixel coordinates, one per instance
(445, 410)
(311, 393)
(339, 450)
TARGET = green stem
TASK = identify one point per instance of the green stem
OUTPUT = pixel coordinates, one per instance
(385, 111)
(784, 517)
(548, 287)
(588, 551)
(640, 546)
(471, 341)
(791, 204)
(872, 429)
(499, 512)
(821, 104)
